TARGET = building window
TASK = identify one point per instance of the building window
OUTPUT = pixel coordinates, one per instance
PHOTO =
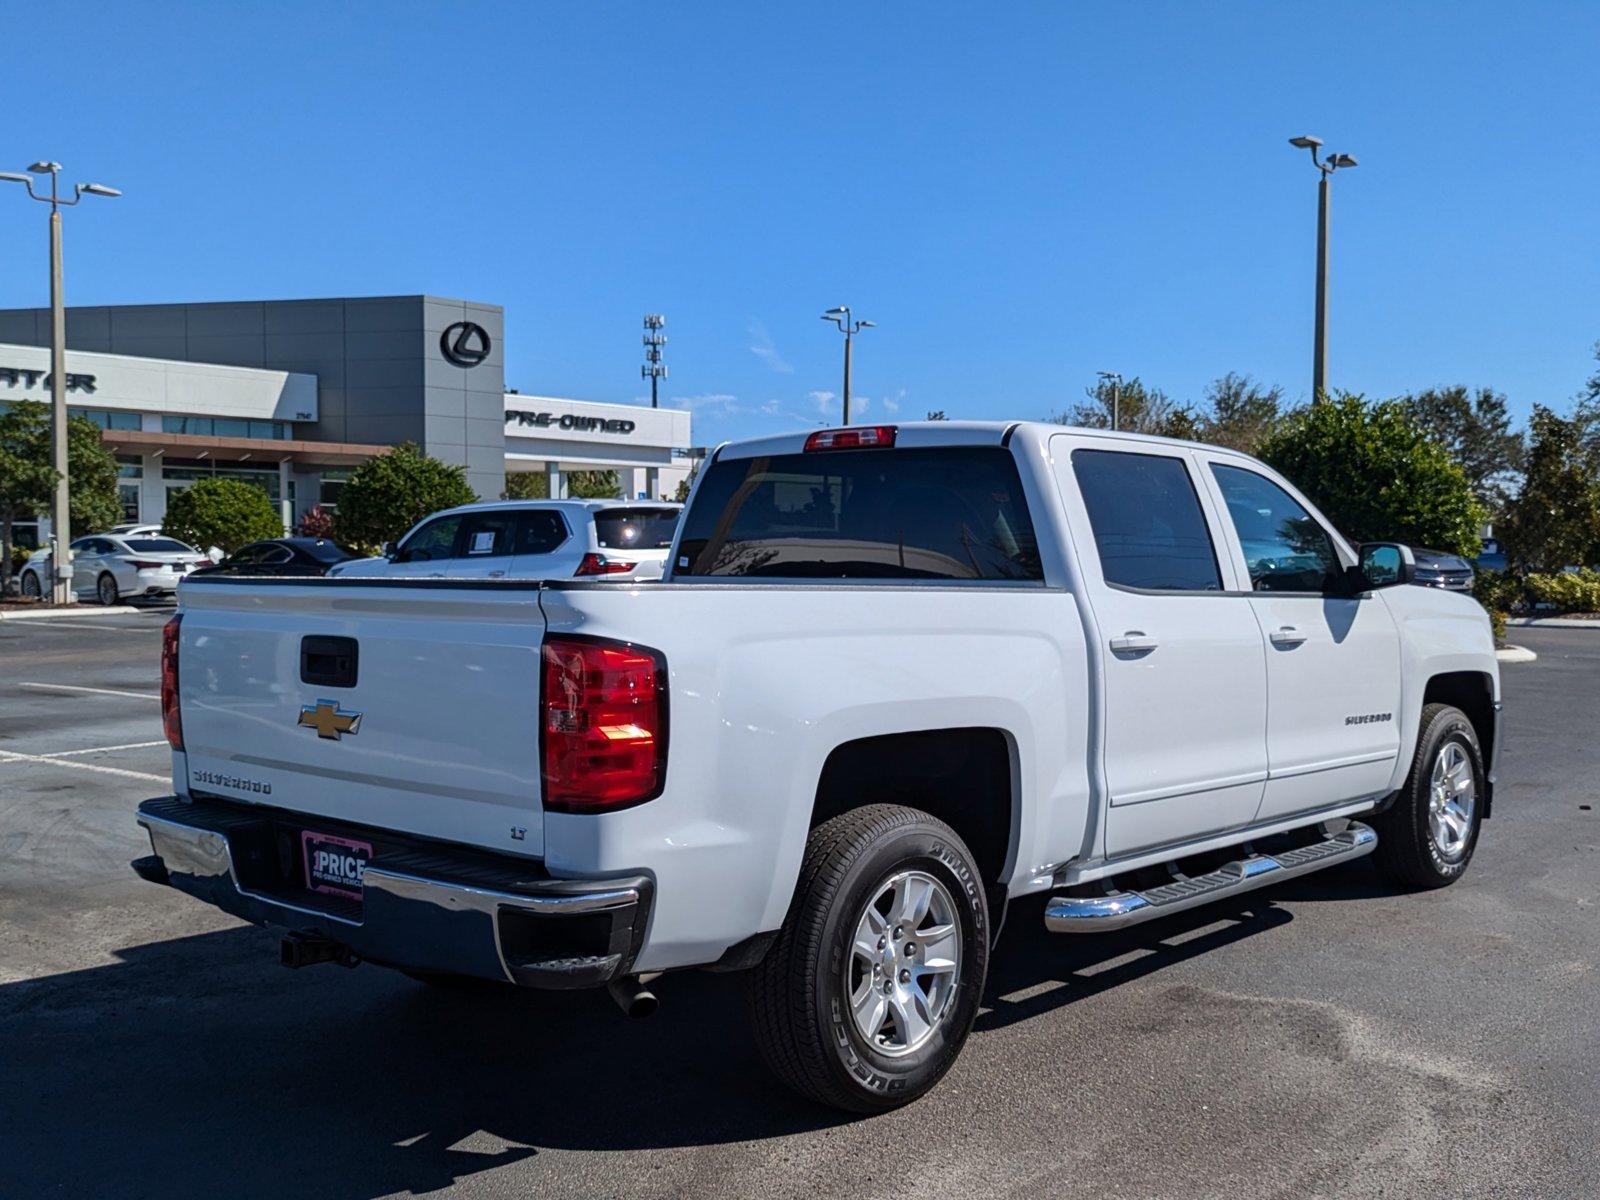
(227, 427)
(332, 484)
(105, 419)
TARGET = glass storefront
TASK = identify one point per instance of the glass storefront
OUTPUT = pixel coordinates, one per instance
(130, 478)
(179, 473)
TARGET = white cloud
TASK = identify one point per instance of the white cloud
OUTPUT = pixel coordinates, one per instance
(709, 403)
(763, 347)
(823, 402)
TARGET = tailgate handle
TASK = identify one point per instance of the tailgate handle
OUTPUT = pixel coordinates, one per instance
(328, 661)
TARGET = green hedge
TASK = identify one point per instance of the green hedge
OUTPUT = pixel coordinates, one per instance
(1570, 591)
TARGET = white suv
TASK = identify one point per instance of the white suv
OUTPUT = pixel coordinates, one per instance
(531, 539)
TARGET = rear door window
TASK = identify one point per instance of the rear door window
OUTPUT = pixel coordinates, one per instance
(913, 513)
(488, 535)
(636, 528)
(1149, 530)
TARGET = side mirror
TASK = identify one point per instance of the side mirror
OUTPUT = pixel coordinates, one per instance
(390, 550)
(1386, 564)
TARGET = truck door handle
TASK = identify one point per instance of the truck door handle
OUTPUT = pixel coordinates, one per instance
(496, 574)
(1133, 642)
(1288, 637)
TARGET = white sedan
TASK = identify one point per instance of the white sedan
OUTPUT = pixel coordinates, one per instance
(110, 567)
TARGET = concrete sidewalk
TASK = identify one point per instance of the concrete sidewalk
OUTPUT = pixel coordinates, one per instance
(44, 613)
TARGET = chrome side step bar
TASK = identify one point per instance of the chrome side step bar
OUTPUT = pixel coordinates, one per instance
(1094, 914)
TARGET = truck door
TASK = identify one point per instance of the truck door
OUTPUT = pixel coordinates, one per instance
(1183, 663)
(1333, 660)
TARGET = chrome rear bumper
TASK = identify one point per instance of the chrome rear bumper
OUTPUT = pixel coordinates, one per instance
(460, 917)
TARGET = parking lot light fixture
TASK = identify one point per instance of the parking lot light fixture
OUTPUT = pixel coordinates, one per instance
(849, 326)
(60, 506)
(1325, 167)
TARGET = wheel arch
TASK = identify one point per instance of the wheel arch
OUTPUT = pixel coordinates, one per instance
(966, 777)
(1473, 693)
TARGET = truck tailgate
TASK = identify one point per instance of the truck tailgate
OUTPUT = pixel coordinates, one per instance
(432, 729)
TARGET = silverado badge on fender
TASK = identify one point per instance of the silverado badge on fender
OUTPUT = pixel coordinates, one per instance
(326, 717)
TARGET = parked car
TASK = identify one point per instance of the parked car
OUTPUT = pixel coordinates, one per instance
(299, 556)
(531, 539)
(1492, 556)
(111, 567)
(894, 679)
(1439, 569)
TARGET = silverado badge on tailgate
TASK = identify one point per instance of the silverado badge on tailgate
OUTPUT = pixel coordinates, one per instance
(329, 720)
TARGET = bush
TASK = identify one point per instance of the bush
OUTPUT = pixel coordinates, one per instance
(1570, 591)
(1500, 593)
(1373, 471)
(387, 495)
(316, 523)
(225, 513)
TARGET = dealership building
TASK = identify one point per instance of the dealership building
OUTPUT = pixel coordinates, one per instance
(293, 394)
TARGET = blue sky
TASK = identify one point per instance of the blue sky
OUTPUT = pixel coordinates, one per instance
(1019, 195)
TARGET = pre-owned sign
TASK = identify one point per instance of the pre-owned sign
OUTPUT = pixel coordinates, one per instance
(570, 421)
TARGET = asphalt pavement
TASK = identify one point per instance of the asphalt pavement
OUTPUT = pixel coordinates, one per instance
(1327, 1037)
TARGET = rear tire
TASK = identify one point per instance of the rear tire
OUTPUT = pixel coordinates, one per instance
(1428, 836)
(867, 996)
(106, 589)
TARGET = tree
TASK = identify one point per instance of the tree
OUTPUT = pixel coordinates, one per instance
(1475, 429)
(1376, 475)
(1140, 409)
(28, 475)
(1587, 417)
(1554, 520)
(387, 495)
(1240, 413)
(226, 513)
(526, 485)
(593, 485)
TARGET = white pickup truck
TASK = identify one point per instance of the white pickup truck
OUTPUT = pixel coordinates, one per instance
(895, 679)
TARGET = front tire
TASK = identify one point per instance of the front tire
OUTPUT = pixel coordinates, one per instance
(106, 590)
(869, 992)
(31, 587)
(1428, 836)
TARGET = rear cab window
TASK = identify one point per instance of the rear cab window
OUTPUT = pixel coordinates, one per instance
(636, 528)
(901, 513)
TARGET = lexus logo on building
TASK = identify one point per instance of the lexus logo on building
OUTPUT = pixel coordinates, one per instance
(465, 344)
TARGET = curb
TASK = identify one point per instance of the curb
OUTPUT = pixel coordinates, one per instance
(1516, 654)
(72, 610)
(1553, 623)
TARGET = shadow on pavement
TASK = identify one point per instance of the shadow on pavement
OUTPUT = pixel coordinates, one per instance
(199, 1063)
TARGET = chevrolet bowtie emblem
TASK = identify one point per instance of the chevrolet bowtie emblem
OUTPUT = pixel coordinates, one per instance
(326, 718)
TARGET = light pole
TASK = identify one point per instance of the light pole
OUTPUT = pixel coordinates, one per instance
(1326, 167)
(1115, 381)
(849, 327)
(654, 369)
(60, 507)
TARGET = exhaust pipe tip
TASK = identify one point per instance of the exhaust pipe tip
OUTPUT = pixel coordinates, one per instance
(633, 998)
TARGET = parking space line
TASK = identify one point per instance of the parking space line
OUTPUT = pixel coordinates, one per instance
(73, 687)
(8, 756)
(105, 628)
(102, 749)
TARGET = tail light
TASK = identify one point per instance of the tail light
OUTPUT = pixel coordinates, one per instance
(171, 717)
(861, 437)
(139, 564)
(603, 724)
(599, 564)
